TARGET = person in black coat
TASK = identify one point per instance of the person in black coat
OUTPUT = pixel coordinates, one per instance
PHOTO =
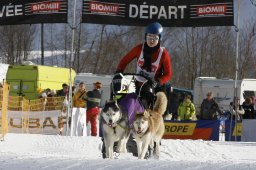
(209, 108)
(248, 109)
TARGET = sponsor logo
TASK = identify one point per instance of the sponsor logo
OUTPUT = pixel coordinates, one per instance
(212, 10)
(146, 11)
(45, 7)
(179, 128)
(38, 123)
(104, 8)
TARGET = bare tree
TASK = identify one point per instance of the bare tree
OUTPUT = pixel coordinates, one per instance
(16, 42)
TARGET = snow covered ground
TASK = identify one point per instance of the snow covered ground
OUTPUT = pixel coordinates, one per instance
(33, 151)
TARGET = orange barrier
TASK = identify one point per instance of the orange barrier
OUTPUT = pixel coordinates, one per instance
(18, 103)
(4, 105)
(15, 103)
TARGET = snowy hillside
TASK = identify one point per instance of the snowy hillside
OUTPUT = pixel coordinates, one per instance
(30, 151)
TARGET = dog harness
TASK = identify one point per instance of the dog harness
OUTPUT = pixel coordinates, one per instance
(131, 105)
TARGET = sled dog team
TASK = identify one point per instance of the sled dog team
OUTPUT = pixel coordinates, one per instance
(147, 127)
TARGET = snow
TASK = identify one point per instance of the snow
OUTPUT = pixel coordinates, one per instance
(34, 151)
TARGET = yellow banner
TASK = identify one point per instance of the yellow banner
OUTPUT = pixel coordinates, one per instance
(179, 128)
(237, 130)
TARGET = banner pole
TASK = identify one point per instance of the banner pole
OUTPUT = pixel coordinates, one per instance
(237, 55)
(70, 68)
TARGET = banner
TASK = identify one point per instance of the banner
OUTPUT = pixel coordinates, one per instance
(13, 12)
(170, 13)
(248, 130)
(236, 131)
(201, 129)
(41, 122)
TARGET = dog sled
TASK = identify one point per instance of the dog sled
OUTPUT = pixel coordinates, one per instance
(132, 98)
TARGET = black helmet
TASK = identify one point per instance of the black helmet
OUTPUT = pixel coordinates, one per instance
(154, 28)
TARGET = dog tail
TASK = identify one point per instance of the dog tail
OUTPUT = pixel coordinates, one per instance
(161, 103)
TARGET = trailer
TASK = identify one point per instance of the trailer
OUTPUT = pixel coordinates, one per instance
(30, 80)
(223, 90)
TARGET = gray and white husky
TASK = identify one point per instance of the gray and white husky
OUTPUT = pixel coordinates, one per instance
(114, 127)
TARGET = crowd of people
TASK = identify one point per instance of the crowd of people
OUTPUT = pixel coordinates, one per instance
(210, 110)
(81, 98)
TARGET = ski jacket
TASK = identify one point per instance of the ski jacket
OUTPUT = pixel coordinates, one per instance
(208, 110)
(248, 111)
(93, 99)
(186, 110)
(163, 73)
(78, 99)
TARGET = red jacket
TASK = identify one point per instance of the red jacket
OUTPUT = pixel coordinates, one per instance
(165, 63)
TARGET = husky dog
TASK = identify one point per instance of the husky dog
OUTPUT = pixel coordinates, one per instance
(114, 127)
(148, 126)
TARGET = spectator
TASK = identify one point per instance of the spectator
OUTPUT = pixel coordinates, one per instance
(236, 109)
(186, 110)
(254, 105)
(209, 108)
(93, 100)
(248, 107)
(1, 88)
(79, 95)
(48, 92)
(44, 100)
(63, 91)
(53, 93)
(73, 90)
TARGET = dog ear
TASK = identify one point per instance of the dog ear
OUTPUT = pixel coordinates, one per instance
(146, 114)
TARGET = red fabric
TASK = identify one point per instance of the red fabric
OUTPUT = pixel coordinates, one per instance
(91, 116)
(165, 63)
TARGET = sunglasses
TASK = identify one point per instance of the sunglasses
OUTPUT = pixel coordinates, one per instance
(152, 38)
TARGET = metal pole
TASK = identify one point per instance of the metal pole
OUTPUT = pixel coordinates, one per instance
(70, 72)
(237, 55)
(42, 44)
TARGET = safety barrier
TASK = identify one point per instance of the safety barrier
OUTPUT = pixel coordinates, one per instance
(26, 108)
(4, 105)
(32, 106)
(15, 103)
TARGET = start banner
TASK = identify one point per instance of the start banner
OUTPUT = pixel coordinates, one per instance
(14, 12)
(201, 129)
(170, 13)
